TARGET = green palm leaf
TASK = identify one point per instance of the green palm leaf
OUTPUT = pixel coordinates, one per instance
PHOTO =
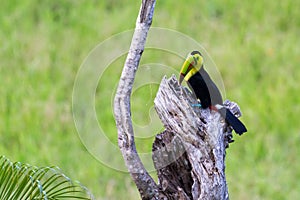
(25, 182)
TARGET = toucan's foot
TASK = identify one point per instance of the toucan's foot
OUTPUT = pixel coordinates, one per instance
(196, 105)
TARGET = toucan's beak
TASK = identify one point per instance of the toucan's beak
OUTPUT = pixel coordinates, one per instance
(186, 68)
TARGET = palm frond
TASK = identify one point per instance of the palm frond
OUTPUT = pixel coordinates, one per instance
(25, 182)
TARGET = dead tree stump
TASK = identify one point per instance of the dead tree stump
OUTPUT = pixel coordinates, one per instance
(189, 155)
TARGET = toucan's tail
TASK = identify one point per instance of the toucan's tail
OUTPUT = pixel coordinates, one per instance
(236, 124)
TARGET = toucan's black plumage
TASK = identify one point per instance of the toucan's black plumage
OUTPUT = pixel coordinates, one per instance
(206, 90)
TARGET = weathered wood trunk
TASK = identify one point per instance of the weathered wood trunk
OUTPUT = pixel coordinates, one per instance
(190, 154)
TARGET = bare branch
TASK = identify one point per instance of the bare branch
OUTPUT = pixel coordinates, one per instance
(145, 184)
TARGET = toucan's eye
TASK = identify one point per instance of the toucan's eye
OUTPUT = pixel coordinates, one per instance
(197, 58)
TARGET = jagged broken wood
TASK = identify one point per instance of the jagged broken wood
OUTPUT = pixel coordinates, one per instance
(190, 154)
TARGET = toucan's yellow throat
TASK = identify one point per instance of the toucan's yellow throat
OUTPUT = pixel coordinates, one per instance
(191, 65)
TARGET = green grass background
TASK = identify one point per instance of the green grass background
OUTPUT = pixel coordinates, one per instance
(256, 46)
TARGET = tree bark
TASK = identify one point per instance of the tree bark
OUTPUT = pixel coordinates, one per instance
(189, 155)
(146, 185)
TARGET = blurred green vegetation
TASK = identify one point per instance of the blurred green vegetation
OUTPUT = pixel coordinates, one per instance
(256, 46)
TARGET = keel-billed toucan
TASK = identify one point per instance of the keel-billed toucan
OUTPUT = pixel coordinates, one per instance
(205, 89)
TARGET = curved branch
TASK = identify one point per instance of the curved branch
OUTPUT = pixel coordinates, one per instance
(144, 182)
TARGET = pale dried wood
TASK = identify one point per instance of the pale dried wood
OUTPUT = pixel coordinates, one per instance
(189, 155)
(196, 140)
(146, 185)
